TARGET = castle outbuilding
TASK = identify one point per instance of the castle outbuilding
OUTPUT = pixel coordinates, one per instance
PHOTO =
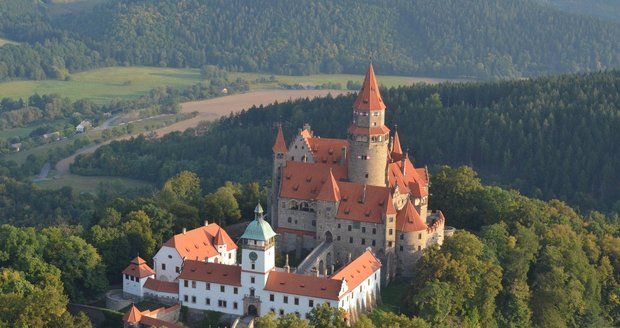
(355, 193)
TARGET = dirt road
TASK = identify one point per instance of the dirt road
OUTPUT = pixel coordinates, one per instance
(212, 109)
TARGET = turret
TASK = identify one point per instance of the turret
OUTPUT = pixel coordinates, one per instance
(279, 151)
(368, 135)
(258, 240)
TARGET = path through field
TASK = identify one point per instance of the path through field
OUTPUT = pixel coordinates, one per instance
(209, 110)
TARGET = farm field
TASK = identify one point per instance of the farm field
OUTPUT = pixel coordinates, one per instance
(88, 184)
(105, 84)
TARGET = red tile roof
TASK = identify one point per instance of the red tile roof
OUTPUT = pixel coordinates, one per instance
(154, 322)
(199, 243)
(304, 285)
(326, 150)
(369, 97)
(162, 286)
(414, 180)
(219, 237)
(330, 191)
(304, 180)
(280, 144)
(212, 272)
(397, 150)
(133, 316)
(408, 219)
(364, 203)
(358, 270)
(138, 268)
(377, 130)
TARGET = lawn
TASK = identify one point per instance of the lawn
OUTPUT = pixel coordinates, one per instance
(105, 84)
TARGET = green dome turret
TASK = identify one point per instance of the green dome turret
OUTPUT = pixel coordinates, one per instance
(259, 229)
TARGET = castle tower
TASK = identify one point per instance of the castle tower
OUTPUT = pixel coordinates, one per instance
(279, 150)
(368, 135)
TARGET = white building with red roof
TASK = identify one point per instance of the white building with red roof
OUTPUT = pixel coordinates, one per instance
(358, 192)
(256, 286)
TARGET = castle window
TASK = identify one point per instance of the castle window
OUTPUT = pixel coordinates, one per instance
(339, 226)
(349, 228)
(296, 301)
(177, 269)
(252, 280)
(223, 289)
(193, 299)
(376, 113)
(235, 290)
(401, 248)
(271, 297)
(366, 175)
(338, 238)
(193, 284)
(374, 242)
(402, 236)
(391, 232)
(419, 236)
(185, 298)
(292, 158)
(350, 240)
(235, 305)
(374, 231)
(285, 299)
(310, 303)
(253, 266)
(363, 241)
(208, 286)
(419, 248)
(363, 229)
(208, 301)
(389, 244)
(163, 266)
(281, 312)
(290, 220)
(185, 283)
(126, 276)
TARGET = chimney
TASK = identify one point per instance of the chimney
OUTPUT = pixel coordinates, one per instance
(332, 268)
(206, 223)
(286, 266)
(184, 230)
(363, 199)
(325, 271)
(307, 127)
(391, 144)
(317, 272)
(349, 258)
(343, 156)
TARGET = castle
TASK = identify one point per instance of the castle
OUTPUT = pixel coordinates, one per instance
(199, 269)
(345, 195)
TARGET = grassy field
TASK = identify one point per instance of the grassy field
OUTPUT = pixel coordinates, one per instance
(106, 84)
(392, 296)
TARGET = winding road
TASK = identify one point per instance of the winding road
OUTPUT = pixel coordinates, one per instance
(210, 110)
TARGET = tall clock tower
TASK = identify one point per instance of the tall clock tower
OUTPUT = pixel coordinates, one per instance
(258, 250)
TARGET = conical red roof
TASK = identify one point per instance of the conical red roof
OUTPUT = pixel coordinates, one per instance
(329, 191)
(408, 219)
(396, 148)
(369, 97)
(280, 145)
(133, 316)
(219, 238)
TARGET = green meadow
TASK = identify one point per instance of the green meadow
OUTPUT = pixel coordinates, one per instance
(105, 84)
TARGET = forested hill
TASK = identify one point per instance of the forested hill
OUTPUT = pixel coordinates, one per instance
(491, 38)
(552, 137)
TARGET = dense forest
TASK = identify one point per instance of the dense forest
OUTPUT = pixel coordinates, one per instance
(552, 137)
(496, 38)
(604, 9)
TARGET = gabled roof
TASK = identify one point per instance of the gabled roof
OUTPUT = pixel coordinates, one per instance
(305, 180)
(369, 97)
(408, 219)
(365, 203)
(358, 270)
(414, 180)
(326, 150)
(376, 130)
(212, 272)
(133, 316)
(138, 268)
(329, 191)
(161, 286)
(303, 285)
(280, 144)
(199, 243)
(219, 237)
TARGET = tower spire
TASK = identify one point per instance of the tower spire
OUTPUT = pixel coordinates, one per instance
(369, 97)
(280, 145)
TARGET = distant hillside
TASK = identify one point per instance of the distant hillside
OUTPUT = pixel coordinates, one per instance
(483, 39)
(548, 137)
(604, 9)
